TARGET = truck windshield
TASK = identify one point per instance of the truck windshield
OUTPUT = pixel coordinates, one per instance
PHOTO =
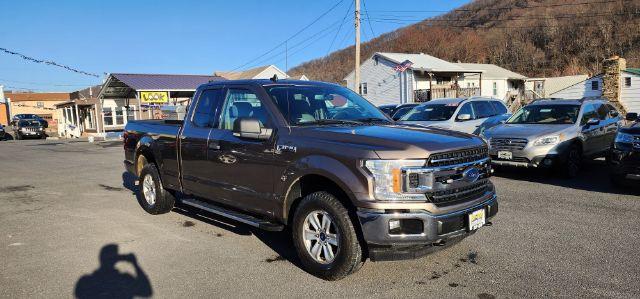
(28, 123)
(316, 105)
(546, 114)
(430, 112)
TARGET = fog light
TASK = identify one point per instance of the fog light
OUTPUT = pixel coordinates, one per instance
(547, 162)
(394, 225)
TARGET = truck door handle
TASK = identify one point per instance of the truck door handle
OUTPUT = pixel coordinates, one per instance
(214, 145)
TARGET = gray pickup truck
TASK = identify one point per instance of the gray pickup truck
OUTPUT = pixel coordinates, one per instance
(347, 181)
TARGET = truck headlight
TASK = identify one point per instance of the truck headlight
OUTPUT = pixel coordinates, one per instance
(547, 140)
(624, 138)
(399, 179)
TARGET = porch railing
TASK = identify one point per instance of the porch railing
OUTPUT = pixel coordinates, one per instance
(425, 95)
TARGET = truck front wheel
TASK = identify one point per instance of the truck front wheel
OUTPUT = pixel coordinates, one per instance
(325, 238)
(153, 197)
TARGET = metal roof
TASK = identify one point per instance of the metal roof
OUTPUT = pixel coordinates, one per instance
(492, 71)
(633, 71)
(119, 85)
(426, 62)
(164, 82)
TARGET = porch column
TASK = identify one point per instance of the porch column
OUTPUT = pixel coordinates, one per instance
(480, 84)
(139, 108)
(78, 118)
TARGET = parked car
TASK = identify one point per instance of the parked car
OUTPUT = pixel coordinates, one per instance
(402, 109)
(348, 182)
(457, 114)
(388, 109)
(18, 117)
(28, 128)
(554, 133)
(625, 155)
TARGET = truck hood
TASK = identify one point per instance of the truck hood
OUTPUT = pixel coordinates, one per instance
(528, 131)
(393, 141)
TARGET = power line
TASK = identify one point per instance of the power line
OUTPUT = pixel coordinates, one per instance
(48, 62)
(516, 18)
(47, 84)
(316, 34)
(291, 37)
(401, 22)
(364, 4)
(507, 8)
(343, 21)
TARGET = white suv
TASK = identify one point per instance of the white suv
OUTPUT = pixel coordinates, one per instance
(467, 115)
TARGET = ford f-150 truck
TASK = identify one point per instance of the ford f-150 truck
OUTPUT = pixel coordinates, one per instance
(318, 159)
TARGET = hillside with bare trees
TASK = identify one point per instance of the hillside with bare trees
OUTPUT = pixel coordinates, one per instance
(531, 37)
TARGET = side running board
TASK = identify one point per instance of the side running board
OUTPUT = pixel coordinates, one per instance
(237, 216)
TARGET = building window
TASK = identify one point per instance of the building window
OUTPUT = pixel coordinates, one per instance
(363, 88)
(594, 85)
(627, 81)
(40, 104)
(107, 116)
(495, 88)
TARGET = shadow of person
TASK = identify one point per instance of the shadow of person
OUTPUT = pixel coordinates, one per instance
(108, 282)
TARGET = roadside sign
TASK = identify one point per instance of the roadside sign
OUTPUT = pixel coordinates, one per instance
(154, 96)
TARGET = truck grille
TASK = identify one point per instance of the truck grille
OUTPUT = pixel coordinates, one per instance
(458, 157)
(452, 196)
(508, 143)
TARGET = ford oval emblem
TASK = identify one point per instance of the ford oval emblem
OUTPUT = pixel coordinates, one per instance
(471, 174)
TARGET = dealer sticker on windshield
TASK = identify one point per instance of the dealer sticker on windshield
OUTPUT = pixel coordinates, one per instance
(476, 219)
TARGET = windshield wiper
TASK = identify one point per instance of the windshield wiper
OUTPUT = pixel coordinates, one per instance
(331, 122)
(372, 120)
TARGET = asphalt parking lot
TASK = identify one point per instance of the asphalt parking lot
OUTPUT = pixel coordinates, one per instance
(70, 225)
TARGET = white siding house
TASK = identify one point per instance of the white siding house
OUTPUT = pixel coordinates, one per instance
(592, 87)
(496, 82)
(395, 78)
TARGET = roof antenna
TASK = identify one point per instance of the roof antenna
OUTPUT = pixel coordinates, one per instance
(274, 78)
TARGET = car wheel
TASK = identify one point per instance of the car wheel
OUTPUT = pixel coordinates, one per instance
(574, 162)
(152, 196)
(325, 238)
(618, 180)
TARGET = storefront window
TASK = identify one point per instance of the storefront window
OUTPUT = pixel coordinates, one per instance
(131, 113)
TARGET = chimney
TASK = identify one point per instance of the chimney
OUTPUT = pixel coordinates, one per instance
(611, 69)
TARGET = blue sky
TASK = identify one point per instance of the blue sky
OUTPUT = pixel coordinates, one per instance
(183, 37)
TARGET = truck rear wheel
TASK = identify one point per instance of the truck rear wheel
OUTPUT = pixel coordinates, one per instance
(153, 197)
(325, 237)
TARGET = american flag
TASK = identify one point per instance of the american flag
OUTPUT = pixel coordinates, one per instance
(403, 66)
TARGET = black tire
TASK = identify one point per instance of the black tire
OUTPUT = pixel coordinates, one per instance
(618, 180)
(573, 162)
(163, 201)
(349, 254)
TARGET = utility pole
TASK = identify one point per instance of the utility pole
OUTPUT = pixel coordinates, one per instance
(357, 70)
(286, 57)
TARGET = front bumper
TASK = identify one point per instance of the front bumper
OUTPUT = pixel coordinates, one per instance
(626, 162)
(438, 230)
(532, 156)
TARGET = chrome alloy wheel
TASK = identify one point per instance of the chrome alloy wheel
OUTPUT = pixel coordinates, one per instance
(320, 235)
(149, 190)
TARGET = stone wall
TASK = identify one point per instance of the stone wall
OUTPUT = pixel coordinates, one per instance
(611, 69)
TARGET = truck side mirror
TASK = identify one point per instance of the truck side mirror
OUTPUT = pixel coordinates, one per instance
(631, 116)
(250, 128)
(463, 117)
(593, 122)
